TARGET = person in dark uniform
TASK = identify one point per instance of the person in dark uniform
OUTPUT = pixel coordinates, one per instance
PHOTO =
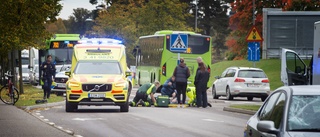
(182, 73)
(48, 75)
(202, 78)
(144, 91)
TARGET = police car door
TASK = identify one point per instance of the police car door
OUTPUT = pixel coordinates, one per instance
(293, 69)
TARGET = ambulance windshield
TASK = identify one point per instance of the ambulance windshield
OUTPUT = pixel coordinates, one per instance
(97, 68)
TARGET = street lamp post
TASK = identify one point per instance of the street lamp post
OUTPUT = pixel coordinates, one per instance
(196, 16)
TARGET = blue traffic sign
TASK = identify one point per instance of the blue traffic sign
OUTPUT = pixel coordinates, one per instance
(178, 42)
(253, 51)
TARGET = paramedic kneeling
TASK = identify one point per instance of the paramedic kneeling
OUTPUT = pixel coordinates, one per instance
(169, 87)
(144, 91)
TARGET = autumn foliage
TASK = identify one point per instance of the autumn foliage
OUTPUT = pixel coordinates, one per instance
(242, 20)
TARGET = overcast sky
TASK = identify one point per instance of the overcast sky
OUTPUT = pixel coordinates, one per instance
(69, 5)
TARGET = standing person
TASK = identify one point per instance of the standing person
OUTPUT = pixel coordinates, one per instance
(201, 85)
(48, 75)
(144, 91)
(182, 73)
(169, 88)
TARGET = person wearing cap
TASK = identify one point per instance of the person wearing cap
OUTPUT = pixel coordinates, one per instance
(182, 73)
(144, 91)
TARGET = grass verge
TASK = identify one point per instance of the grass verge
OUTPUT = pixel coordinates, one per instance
(31, 94)
(246, 107)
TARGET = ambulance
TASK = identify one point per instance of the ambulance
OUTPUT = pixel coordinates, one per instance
(98, 75)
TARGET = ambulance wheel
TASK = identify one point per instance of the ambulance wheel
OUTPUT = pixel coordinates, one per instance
(70, 107)
(124, 107)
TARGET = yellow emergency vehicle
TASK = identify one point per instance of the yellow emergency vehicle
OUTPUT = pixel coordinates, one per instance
(98, 75)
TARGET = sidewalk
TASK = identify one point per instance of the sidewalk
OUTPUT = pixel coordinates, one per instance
(18, 123)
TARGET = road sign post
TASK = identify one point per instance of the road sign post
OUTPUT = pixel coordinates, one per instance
(178, 43)
(254, 38)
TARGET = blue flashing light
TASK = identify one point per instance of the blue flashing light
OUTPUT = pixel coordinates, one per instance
(100, 41)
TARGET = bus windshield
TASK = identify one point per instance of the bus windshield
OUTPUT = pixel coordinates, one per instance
(61, 56)
(198, 44)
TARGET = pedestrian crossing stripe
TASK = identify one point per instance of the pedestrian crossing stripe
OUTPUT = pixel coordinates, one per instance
(179, 42)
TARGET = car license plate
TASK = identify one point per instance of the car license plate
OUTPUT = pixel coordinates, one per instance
(253, 85)
(61, 85)
(96, 95)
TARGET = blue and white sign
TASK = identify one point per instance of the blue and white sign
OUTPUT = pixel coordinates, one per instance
(179, 42)
(253, 51)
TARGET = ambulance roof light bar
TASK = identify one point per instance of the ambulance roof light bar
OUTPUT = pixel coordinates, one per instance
(99, 41)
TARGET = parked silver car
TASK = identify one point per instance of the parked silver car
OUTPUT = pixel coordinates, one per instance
(290, 111)
(34, 75)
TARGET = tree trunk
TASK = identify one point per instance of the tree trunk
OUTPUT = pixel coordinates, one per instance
(20, 73)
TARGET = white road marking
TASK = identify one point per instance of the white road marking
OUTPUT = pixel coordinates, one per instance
(212, 120)
(45, 119)
(77, 136)
(41, 116)
(69, 132)
(84, 119)
(51, 123)
(37, 113)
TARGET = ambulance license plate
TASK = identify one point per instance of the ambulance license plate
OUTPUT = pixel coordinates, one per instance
(96, 95)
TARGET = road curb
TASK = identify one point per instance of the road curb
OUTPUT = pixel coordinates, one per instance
(237, 110)
(28, 108)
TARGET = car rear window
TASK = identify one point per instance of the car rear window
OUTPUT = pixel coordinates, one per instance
(251, 74)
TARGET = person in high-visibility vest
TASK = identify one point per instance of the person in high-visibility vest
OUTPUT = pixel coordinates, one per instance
(144, 91)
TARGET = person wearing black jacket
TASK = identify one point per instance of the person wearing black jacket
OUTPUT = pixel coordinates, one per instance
(201, 80)
(48, 75)
(182, 73)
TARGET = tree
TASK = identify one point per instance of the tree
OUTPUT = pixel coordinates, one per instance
(56, 27)
(213, 21)
(129, 19)
(77, 22)
(22, 24)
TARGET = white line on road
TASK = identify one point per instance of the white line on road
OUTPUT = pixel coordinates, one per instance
(84, 119)
(211, 120)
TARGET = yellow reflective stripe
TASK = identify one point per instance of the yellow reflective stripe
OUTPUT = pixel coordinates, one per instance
(150, 89)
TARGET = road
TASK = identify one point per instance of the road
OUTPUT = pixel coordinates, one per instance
(151, 121)
(17, 123)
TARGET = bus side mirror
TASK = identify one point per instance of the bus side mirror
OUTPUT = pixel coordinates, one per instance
(67, 73)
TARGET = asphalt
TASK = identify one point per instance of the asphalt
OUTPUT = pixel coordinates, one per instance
(17, 123)
(21, 122)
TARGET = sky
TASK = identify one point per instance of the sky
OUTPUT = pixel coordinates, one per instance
(69, 5)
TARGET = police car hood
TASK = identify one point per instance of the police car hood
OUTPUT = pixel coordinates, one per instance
(98, 78)
(61, 75)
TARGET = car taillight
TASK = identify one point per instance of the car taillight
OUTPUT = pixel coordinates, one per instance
(265, 81)
(164, 69)
(239, 80)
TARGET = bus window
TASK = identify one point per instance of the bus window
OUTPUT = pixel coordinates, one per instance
(196, 44)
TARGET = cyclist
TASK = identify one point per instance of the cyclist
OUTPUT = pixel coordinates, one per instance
(48, 75)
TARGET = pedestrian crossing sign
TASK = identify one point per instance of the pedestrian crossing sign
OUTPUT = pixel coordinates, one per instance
(179, 42)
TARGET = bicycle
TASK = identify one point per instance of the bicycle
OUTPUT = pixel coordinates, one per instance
(9, 94)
